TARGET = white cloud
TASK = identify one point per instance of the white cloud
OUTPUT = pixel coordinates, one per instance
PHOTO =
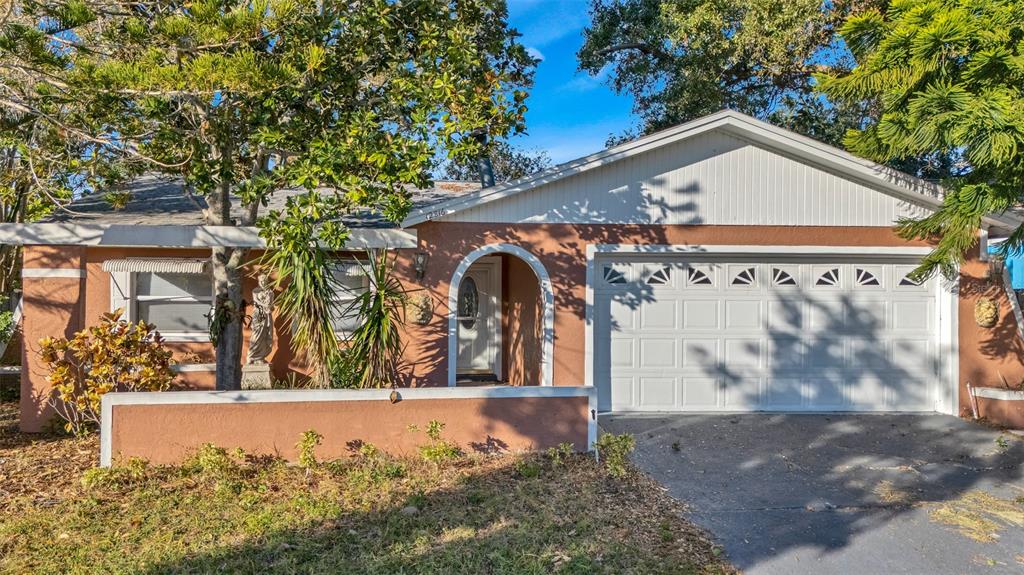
(544, 21)
(584, 82)
(534, 53)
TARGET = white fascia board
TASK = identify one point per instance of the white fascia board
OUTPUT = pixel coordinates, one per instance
(176, 236)
(774, 250)
(828, 158)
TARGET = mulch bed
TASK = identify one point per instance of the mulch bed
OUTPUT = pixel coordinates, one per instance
(40, 468)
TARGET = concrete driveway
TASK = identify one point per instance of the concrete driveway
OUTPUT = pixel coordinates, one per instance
(861, 494)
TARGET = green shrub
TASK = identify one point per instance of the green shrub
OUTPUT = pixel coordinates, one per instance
(307, 448)
(438, 450)
(114, 355)
(614, 450)
(210, 460)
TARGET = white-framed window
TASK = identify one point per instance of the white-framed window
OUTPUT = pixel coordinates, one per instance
(176, 303)
(352, 282)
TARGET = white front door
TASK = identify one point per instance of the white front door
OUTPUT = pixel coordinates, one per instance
(478, 322)
(716, 334)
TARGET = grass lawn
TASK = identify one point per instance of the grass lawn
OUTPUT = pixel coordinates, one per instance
(225, 512)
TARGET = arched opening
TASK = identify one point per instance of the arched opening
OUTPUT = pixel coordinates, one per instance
(500, 319)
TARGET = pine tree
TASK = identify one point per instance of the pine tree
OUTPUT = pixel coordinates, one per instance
(349, 100)
(946, 78)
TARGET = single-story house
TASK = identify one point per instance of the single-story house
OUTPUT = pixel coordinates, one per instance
(720, 265)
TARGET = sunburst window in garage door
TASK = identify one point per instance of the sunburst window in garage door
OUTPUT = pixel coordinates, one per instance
(743, 276)
(700, 276)
(782, 277)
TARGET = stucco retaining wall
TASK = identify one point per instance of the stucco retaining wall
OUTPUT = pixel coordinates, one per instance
(167, 427)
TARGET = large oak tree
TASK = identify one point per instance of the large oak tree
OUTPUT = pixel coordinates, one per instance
(349, 100)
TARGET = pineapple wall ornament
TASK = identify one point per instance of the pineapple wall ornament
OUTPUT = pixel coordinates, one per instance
(986, 312)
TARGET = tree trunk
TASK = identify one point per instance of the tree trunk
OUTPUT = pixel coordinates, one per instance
(227, 289)
(228, 307)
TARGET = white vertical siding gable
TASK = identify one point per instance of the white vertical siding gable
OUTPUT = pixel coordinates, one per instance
(711, 178)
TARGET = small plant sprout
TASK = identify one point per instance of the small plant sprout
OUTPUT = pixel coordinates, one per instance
(1002, 443)
(307, 449)
(438, 450)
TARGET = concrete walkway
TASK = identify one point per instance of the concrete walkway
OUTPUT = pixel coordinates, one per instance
(843, 494)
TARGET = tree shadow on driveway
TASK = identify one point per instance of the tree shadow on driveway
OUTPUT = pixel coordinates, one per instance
(836, 493)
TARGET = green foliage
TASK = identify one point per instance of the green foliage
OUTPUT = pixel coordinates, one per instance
(682, 59)
(374, 350)
(614, 451)
(558, 455)
(348, 102)
(6, 325)
(946, 77)
(307, 448)
(527, 469)
(438, 450)
(113, 355)
(124, 474)
(507, 163)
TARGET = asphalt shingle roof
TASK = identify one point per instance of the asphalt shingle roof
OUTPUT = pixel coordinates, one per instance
(162, 201)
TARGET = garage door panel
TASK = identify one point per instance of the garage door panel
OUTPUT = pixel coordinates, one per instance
(787, 351)
(658, 392)
(825, 352)
(786, 313)
(621, 312)
(743, 314)
(825, 391)
(743, 352)
(700, 392)
(622, 390)
(784, 393)
(909, 393)
(700, 353)
(742, 393)
(912, 315)
(700, 314)
(735, 336)
(658, 314)
(657, 353)
(872, 352)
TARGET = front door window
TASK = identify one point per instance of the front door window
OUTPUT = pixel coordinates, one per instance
(469, 303)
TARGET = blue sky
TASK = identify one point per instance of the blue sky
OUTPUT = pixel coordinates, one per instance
(571, 114)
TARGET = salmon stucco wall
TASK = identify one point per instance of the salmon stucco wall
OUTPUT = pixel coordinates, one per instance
(561, 248)
(62, 305)
(522, 314)
(993, 356)
(167, 433)
(53, 285)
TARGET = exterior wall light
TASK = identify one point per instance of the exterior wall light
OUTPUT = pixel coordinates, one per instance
(419, 264)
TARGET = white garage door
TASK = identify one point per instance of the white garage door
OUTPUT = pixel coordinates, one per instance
(675, 334)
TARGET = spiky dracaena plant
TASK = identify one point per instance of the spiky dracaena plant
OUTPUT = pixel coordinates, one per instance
(302, 263)
(375, 347)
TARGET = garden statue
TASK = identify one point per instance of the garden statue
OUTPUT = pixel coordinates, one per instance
(261, 327)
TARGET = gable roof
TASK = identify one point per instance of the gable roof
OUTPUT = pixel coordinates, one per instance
(779, 140)
(163, 201)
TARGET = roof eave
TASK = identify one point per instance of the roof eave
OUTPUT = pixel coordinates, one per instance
(177, 236)
(887, 180)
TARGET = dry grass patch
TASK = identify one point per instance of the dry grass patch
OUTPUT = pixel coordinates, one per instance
(980, 516)
(226, 512)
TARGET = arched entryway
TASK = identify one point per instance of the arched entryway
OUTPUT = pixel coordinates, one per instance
(479, 277)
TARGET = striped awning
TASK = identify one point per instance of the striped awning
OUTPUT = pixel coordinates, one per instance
(158, 265)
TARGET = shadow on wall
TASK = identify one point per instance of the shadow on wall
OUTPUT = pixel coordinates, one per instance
(562, 251)
(873, 468)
